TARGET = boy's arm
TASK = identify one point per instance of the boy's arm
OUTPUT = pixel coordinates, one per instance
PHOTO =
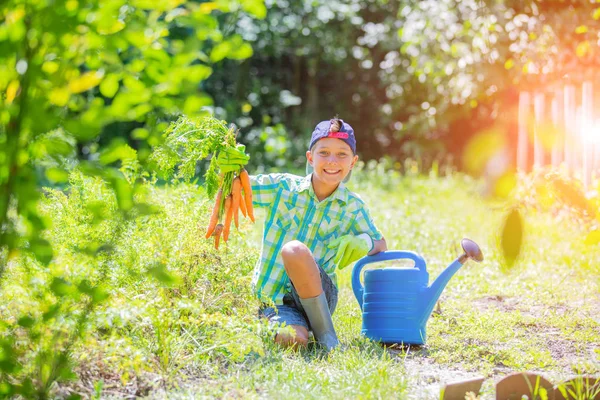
(378, 246)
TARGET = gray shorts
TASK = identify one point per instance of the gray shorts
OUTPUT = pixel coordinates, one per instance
(291, 311)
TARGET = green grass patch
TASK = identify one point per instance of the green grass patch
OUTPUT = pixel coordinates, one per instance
(181, 320)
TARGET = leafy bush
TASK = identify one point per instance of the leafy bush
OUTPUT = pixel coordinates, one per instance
(174, 301)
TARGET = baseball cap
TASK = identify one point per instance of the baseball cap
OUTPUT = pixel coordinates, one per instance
(322, 130)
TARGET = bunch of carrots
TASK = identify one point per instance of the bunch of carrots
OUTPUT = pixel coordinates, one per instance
(234, 196)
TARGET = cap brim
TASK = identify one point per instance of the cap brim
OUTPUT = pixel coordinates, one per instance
(309, 170)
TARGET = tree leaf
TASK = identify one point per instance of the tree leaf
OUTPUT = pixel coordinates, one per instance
(26, 321)
(220, 51)
(160, 272)
(593, 238)
(57, 175)
(61, 287)
(117, 150)
(95, 292)
(42, 250)
(122, 188)
(255, 7)
(109, 85)
(512, 237)
(86, 81)
(59, 96)
(51, 313)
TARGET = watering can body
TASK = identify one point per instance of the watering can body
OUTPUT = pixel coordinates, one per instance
(397, 302)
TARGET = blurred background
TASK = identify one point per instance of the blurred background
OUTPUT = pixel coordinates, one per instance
(417, 79)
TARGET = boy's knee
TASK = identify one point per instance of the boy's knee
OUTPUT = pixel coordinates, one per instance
(293, 250)
(300, 339)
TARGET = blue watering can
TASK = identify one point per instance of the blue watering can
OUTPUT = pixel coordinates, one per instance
(396, 302)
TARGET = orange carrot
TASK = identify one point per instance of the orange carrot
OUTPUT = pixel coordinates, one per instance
(214, 217)
(247, 193)
(228, 217)
(236, 192)
(217, 235)
(242, 202)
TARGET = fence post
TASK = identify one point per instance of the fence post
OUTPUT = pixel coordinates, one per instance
(538, 146)
(523, 137)
(587, 123)
(570, 131)
(558, 150)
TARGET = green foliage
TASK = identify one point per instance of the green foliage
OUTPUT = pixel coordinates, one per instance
(72, 69)
(68, 72)
(142, 287)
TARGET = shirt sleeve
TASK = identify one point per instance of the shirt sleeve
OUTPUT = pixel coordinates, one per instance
(363, 223)
(264, 188)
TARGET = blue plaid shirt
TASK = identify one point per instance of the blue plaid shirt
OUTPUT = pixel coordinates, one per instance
(295, 213)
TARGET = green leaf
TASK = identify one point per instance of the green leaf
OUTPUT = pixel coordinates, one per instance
(8, 362)
(239, 49)
(109, 86)
(197, 73)
(42, 250)
(122, 188)
(26, 321)
(147, 209)
(160, 272)
(57, 175)
(98, 209)
(95, 292)
(220, 51)
(86, 81)
(194, 104)
(241, 52)
(51, 313)
(61, 287)
(6, 389)
(255, 7)
(117, 150)
(512, 237)
(140, 134)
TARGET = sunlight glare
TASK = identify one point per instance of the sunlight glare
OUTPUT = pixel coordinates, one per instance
(590, 131)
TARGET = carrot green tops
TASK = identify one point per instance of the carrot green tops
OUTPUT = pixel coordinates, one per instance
(295, 213)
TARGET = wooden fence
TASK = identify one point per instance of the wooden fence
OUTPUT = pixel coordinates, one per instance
(560, 127)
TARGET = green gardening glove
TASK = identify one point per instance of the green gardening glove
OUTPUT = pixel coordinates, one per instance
(350, 248)
(232, 158)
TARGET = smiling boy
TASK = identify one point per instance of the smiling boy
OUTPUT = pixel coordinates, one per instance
(313, 225)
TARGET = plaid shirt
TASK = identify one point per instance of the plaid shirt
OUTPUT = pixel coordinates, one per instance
(295, 213)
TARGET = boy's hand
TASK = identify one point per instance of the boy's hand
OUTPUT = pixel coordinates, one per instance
(233, 158)
(350, 248)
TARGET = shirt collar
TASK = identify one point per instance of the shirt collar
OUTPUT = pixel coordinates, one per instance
(341, 193)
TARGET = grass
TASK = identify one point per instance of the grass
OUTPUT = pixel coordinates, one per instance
(193, 332)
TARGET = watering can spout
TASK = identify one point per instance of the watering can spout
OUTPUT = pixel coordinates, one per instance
(432, 293)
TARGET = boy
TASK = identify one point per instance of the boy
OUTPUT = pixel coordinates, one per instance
(313, 224)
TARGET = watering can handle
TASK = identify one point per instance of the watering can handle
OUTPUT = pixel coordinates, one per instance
(358, 288)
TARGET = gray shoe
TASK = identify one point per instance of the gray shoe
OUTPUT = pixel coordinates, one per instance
(317, 310)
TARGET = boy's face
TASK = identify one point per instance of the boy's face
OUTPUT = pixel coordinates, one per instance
(332, 160)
